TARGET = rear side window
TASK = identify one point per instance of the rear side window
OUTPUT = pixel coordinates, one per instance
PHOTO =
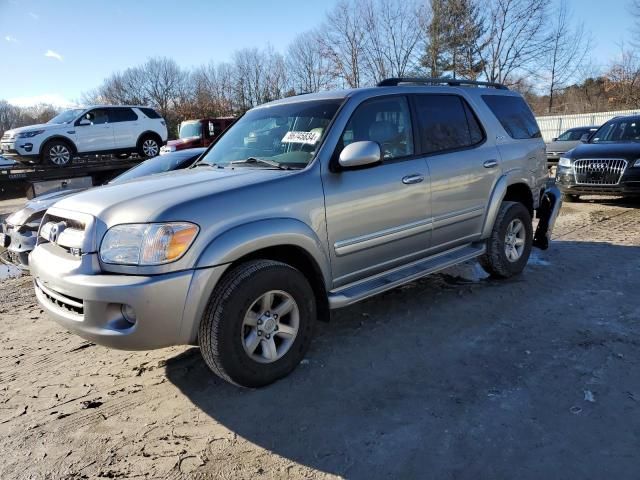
(122, 115)
(150, 112)
(446, 122)
(514, 114)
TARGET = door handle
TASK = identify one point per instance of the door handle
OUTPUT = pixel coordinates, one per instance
(411, 179)
(490, 163)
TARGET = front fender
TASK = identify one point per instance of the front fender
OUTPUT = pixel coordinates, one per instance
(248, 238)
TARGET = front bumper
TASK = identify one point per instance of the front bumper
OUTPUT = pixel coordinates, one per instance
(18, 149)
(81, 298)
(554, 157)
(628, 186)
(19, 242)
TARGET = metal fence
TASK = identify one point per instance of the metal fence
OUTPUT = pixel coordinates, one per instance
(553, 125)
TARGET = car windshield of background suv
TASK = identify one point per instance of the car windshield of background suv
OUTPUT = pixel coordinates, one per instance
(190, 129)
(285, 135)
(624, 130)
(66, 116)
(572, 135)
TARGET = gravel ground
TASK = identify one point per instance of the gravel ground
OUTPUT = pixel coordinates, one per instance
(452, 377)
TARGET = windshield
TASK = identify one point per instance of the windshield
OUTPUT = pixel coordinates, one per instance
(287, 134)
(66, 116)
(621, 130)
(572, 135)
(190, 129)
(159, 164)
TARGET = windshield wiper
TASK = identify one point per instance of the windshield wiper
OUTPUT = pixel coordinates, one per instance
(205, 164)
(263, 161)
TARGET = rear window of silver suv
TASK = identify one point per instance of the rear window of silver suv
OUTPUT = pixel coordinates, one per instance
(514, 115)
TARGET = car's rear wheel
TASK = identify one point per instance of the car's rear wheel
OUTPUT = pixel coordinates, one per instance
(57, 153)
(509, 246)
(258, 324)
(148, 146)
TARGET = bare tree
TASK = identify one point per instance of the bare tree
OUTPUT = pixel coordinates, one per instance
(343, 42)
(308, 69)
(623, 79)
(569, 46)
(392, 39)
(516, 38)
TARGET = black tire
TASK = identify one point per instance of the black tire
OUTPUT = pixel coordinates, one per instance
(57, 153)
(149, 146)
(221, 330)
(495, 261)
(570, 198)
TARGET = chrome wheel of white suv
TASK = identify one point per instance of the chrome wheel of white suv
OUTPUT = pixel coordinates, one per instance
(58, 153)
(150, 148)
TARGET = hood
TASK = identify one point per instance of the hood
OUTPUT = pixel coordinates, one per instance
(48, 199)
(153, 198)
(628, 151)
(28, 128)
(562, 146)
(184, 143)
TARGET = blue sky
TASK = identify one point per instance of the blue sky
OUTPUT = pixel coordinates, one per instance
(55, 50)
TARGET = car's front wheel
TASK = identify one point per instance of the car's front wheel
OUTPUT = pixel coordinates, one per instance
(57, 153)
(510, 243)
(258, 324)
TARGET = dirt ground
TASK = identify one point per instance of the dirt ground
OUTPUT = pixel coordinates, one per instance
(452, 377)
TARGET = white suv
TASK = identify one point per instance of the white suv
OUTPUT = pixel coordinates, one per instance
(98, 129)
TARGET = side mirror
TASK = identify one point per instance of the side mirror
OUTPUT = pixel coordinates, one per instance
(359, 154)
(554, 139)
(84, 121)
(585, 137)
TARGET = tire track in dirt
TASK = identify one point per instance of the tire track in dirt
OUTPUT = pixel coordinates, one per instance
(33, 364)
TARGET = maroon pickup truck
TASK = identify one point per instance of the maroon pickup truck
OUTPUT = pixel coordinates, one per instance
(198, 133)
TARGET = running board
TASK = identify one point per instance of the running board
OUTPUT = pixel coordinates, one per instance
(355, 292)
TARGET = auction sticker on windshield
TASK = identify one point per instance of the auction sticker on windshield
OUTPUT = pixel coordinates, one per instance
(309, 138)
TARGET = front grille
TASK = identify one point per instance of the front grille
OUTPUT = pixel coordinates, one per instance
(6, 136)
(599, 171)
(63, 302)
(71, 236)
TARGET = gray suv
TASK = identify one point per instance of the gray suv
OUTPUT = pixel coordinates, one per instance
(305, 205)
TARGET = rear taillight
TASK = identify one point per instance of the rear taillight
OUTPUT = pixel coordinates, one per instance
(162, 122)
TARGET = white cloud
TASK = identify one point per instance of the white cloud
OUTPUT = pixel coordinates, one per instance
(35, 16)
(11, 39)
(52, 54)
(50, 98)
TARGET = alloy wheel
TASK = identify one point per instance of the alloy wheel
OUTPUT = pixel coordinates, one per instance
(150, 148)
(514, 240)
(270, 326)
(59, 154)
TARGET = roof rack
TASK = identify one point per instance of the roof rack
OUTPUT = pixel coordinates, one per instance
(452, 82)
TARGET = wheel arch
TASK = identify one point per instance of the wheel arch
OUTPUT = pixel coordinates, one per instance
(67, 140)
(149, 133)
(282, 239)
(513, 189)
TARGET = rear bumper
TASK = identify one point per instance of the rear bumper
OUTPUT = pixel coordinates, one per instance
(547, 213)
(90, 303)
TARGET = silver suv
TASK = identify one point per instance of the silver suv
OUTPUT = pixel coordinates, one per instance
(306, 204)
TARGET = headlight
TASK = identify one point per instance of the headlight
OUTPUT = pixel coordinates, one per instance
(564, 162)
(30, 134)
(147, 243)
(636, 163)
